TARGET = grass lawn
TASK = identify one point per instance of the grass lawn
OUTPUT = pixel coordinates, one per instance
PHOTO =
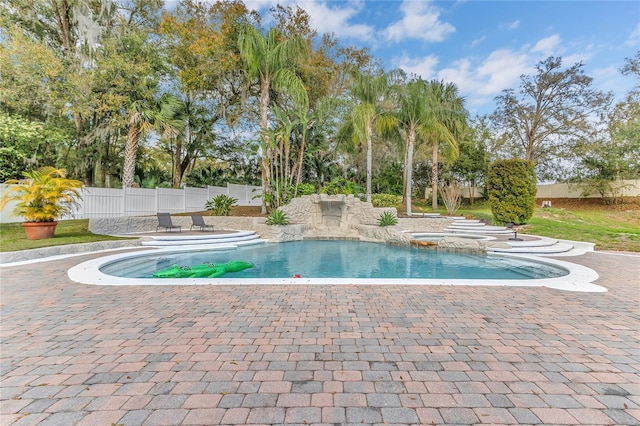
(13, 238)
(609, 230)
(609, 227)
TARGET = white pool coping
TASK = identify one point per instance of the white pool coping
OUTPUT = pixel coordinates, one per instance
(579, 279)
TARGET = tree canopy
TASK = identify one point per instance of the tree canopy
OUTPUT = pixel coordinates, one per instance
(550, 113)
(126, 92)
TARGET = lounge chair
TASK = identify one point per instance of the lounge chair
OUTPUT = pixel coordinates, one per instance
(164, 221)
(198, 222)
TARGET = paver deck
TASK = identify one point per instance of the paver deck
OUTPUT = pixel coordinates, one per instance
(74, 354)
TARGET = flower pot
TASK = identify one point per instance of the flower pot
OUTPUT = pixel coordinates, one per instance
(39, 230)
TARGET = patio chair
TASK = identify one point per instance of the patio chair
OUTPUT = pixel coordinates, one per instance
(164, 221)
(198, 222)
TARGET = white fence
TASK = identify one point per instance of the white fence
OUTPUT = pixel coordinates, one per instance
(110, 202)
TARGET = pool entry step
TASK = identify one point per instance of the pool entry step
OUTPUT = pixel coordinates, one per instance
(232, 238)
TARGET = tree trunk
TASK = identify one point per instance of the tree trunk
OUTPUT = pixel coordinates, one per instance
(473, 191)
(130, 152)
(369, 159)
(409, 169)
(264, 123)
(434, 177)
(177, 173)
(404, 178)
(297, 169)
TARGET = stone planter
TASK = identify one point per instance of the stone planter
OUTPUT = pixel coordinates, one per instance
(39, 230)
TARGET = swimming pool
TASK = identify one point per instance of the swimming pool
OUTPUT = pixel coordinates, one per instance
(339, 262)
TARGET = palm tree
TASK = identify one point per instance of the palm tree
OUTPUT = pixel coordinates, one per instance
(368, 115)
(196, 130)
(145, 114)
(414, 121)
(446, 124)
(272, 60)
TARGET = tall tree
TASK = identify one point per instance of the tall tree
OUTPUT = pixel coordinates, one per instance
(614, 154)
(369, 115)
(414, 121)
(201, 42)
(272, 61)
(72, 31)
(446, 125)
(471, 165)
(145, 114)
(551, 112)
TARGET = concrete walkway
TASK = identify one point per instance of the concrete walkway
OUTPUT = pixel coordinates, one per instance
(90, 355)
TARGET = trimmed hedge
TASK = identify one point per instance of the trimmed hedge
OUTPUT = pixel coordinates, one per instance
(511, 190)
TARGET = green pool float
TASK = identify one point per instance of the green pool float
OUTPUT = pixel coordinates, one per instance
(205, 270)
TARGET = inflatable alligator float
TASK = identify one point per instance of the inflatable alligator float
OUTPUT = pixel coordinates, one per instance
(205, 270)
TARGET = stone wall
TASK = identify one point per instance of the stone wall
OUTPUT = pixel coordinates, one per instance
(388, 234)
(344, 212)
(471, 245)
(310, 217)
(424, 224)
(133, 225)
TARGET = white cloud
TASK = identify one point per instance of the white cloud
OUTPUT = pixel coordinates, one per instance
(477, 41)
(335, 19)
(326, 17)
(423, 67)
(502, 70)
(481, 81)
(421, 21)
(610, 79)
(547, 46)
(511, 25)
(634, 38)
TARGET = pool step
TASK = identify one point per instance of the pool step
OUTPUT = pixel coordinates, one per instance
(474, 226)
(538, 246)
(230, 239)
(552, 249)
(484, 230)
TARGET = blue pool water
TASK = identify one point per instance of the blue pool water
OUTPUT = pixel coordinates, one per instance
(341, 259)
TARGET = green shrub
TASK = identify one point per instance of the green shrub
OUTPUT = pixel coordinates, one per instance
(385, 200)
(511, 190)
(341, 186)
(387, 219)
(277, 217)
(306, 189)
(220, 205)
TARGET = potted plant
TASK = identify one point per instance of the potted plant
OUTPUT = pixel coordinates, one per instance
(42, 196)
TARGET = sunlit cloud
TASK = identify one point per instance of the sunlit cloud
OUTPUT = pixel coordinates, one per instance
(423, 66)
(326, 17)
(332, 19)
(547, 46)
(421, 20)
(479, 80)
(634, 38)
(502, 70)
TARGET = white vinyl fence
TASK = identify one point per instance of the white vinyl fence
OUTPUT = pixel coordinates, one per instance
(110, 202)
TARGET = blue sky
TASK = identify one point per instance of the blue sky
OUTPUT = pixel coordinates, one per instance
(483, 46)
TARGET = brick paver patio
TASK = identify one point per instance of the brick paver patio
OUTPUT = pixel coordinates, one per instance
(76, 354)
